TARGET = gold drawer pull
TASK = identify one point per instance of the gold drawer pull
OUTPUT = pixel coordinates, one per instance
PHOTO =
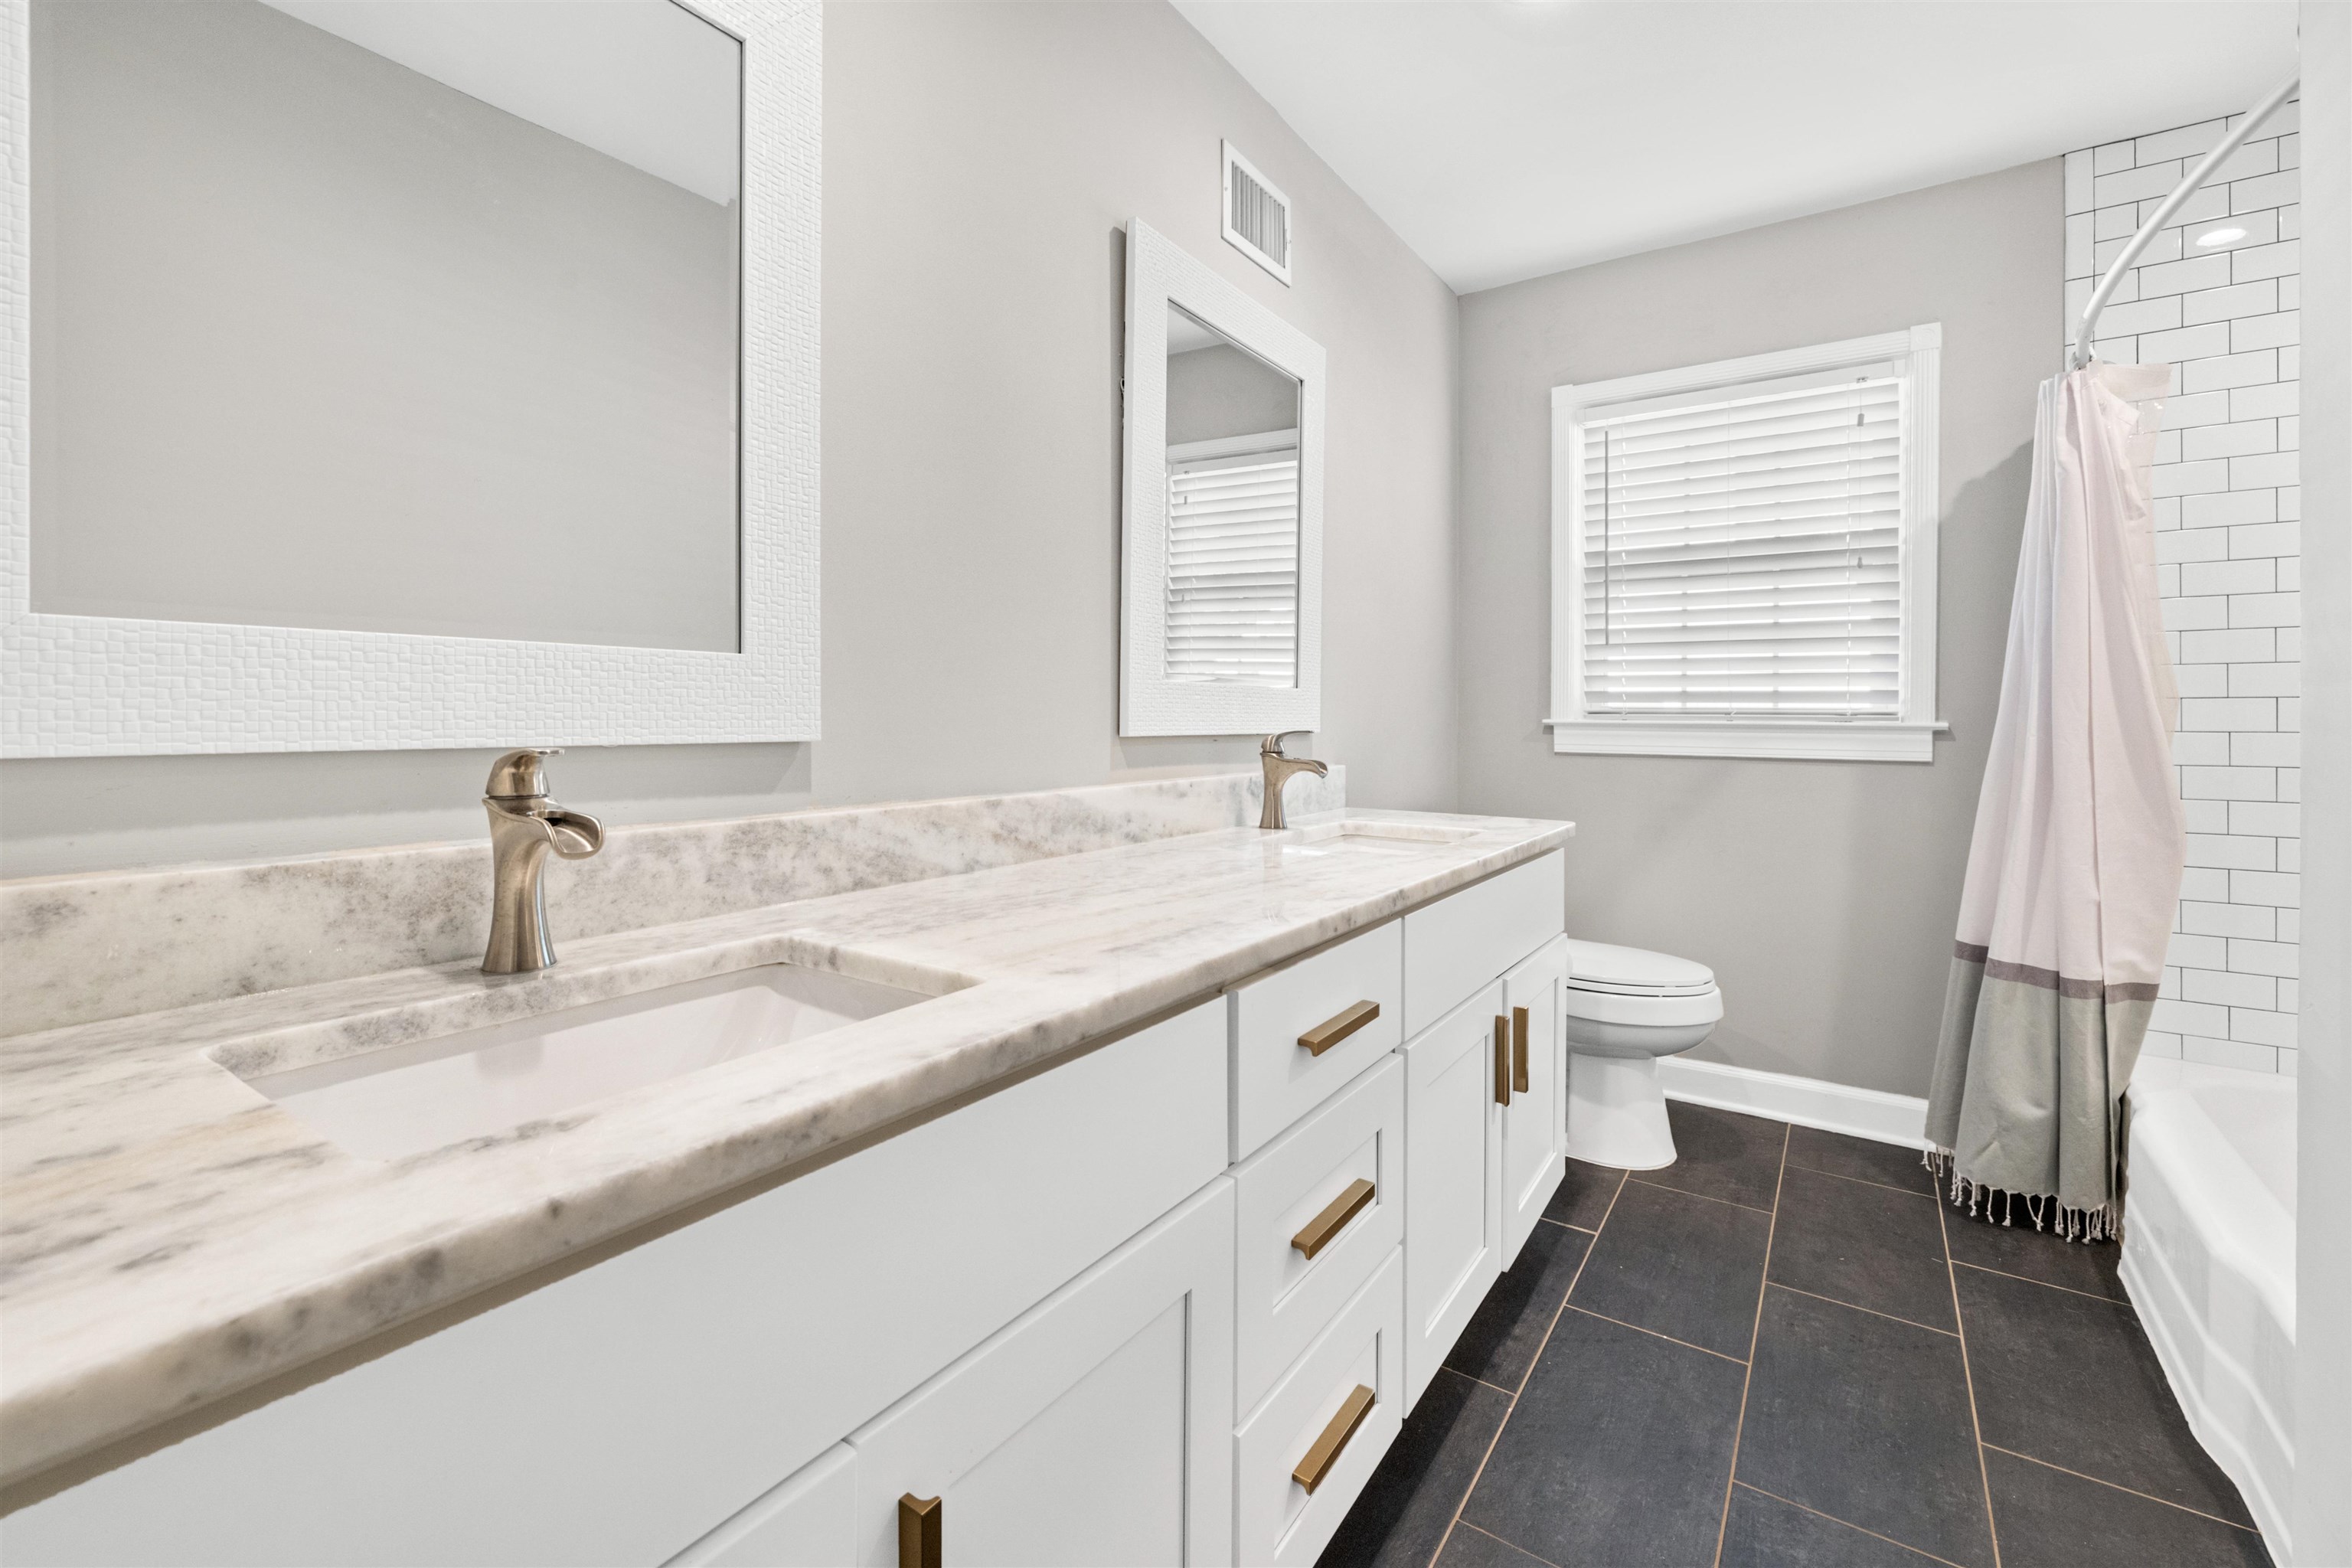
(918, 1531)
(1339, 1026)
(1518, 1051)
(1502, 1060)
(1334, 1218)
(1319, 1458)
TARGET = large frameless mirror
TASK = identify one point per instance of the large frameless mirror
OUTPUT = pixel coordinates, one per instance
(423, 319)
(387, 316)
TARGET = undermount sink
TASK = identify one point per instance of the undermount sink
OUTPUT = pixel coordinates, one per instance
(1373, 833)
(408, 1098)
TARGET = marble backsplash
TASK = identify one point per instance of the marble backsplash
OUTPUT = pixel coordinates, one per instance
(115, 943)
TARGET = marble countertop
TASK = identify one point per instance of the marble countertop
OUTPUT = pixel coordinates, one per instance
(171, 1236)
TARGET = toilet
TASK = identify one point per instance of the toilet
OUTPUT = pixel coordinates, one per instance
(1626, 1008)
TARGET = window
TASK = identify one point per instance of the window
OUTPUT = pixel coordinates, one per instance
(1232, 560)
(1744, 556)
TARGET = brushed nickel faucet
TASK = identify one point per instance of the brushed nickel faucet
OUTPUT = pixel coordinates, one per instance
(1278, 771)
(524, 826)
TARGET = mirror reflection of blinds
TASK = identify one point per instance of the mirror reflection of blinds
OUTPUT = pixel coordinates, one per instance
(1232, 565)
(1743, 556)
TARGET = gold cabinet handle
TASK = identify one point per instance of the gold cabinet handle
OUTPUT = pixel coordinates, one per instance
(1334, 1218)
(1325, 1451)
(1339, 1026)
(1502, 1060)
(918, 1531)
(1518, 1051)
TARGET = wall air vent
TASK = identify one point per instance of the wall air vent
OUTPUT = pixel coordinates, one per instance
(1257, 217)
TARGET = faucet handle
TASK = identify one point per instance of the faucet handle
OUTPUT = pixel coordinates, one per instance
(1272, 745)
(518, 774)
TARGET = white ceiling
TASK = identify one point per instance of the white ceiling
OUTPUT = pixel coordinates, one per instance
(645, 81)
(1505, 139)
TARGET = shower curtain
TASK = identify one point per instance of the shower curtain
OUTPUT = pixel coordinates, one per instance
(2074, 868)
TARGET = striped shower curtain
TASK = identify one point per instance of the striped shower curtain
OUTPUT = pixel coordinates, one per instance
(2074, 868)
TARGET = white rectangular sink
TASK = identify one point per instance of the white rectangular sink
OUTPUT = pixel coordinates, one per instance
(429, 1094)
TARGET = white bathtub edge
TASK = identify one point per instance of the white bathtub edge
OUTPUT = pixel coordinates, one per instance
(2149, 1299)
(2207, 1261)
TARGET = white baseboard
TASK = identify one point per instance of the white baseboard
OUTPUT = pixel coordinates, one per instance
(1869, 1114)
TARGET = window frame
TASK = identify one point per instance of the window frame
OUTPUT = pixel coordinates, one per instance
(1909, 737)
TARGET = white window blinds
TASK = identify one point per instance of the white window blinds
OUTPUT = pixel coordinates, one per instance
(1742, 552)
(1233, 562)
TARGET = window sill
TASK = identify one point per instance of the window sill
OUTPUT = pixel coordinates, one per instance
(1801, 740)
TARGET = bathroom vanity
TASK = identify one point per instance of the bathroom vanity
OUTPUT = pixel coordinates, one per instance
(1114, 1206)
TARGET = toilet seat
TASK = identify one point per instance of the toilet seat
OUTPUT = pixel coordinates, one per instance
(1610, 984)
(1634, 972)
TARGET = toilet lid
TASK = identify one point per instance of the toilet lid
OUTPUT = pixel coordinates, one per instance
(1631, 971)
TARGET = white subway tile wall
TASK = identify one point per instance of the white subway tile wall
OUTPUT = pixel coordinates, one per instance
(2229, 549)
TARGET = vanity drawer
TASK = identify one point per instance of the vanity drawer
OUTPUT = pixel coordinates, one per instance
(1334, 1186)
(1302, 1031)
(1464, 939)
(1277, 1520)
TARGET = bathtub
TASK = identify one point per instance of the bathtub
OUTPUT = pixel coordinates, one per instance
(2208, 1262)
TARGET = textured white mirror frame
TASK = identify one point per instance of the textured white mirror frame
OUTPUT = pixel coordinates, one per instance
(92, 686)
(1160, 275)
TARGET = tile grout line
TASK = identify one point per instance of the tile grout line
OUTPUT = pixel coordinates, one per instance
(1853, 1306)
(1859, 1182)
(2030, 1279)
(1708, 1197)
(2127, 1492)
(1563, 1224)
(1514, 1545)
(1621, 1323)
(1969, 1376)
(1512, 1408)
(1775, 1497)
(1479, 1380)
(1755, 1331)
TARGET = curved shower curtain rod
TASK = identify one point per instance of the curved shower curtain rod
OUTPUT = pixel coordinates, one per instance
(2173, 204)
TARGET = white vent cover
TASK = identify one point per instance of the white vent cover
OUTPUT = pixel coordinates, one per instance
(1257, 217)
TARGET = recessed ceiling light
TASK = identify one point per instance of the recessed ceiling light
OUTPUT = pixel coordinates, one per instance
(2221, 237)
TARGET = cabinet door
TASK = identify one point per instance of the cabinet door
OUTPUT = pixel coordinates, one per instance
(808, 1521)
(1091, 1430)
(1535, 1124)
(1453, 1212)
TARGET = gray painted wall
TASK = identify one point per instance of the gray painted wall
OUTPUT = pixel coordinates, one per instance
(271, 270)
(2322, 1527)
(979, 163)
(1824, 894)
(1226, 391)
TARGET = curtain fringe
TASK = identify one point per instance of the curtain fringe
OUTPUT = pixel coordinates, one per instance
(1977, 1199)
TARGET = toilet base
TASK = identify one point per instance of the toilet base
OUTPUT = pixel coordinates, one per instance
(1617, 1112)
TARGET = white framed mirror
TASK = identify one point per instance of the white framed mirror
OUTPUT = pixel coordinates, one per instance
(1221, 604)
(409, 374)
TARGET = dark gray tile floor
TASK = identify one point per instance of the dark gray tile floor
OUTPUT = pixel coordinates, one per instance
(1782, 1349)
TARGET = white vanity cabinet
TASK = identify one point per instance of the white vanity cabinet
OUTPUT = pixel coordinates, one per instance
(807, 1521)
(1482, 1155)
(1452, 1178)
(1534, 1130)
(1090, 1431)
(621, 1414)
(1168, 1301)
